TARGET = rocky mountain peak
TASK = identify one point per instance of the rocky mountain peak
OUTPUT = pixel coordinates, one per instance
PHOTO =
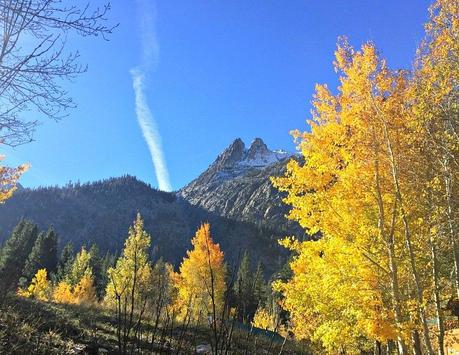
(237, 160)
(257, 148)
(258, 155)
(231, 155)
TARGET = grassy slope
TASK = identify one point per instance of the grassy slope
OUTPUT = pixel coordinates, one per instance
(33, 327)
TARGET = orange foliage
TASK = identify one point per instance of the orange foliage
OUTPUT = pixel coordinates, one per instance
(201, 282)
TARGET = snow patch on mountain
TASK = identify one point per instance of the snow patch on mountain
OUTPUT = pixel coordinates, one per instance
(263, 159)
(237, 159)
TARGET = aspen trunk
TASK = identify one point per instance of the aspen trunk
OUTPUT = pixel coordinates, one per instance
(451, 228)
(441, 328)
(417, 282)
(390, 245)
(396, 296)
(416, 343)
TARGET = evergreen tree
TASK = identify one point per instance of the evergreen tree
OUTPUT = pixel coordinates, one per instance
(13, 255)
(107, 262)
(243, 288)
(65, 262)
(43, 255)
(95, 262)
(260, 289)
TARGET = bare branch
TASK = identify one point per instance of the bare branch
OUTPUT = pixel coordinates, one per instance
(32, 72)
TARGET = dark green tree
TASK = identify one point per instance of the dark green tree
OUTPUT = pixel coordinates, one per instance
(95, 262)
(42, 256)
(243, 289)
(13, 255)
(107, 262)
(260, 288)
(65, 262)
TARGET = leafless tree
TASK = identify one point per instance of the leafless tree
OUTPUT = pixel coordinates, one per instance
(34, 60)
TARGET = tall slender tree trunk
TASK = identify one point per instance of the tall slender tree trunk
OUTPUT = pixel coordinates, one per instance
(451, 226)
(396, 295)
(416, 343)
(390, 245)
(438, 310)
(417, 282)
(377, 348)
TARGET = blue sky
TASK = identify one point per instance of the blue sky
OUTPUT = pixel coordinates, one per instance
(225, 69)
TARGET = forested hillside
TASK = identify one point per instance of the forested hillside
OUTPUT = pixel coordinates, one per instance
(101, 212)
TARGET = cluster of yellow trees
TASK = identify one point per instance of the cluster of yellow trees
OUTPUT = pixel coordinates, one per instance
(77, 287)
(139, 290)
(379, 182)
(135, 283)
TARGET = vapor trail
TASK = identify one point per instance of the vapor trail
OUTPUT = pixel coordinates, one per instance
(150, 131)
(145, 118)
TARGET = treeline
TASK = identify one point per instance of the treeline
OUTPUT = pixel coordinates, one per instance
(138, 290)
(380, 182)
(29, 263)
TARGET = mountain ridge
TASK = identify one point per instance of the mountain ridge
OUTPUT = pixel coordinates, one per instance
(244, 210)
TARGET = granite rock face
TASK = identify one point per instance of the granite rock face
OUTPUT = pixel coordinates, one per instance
(237, 185)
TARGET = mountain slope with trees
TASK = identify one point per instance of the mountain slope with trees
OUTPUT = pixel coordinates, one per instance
(244, 210)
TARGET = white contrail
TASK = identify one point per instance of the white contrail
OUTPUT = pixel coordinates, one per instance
(150, 131)
(145, 118)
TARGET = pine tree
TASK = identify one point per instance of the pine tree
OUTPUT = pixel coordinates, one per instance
(43, 255)
(95, 262)
(65, 262)
(107, 262)
(13, 255)
(260, 288)
(243, 288)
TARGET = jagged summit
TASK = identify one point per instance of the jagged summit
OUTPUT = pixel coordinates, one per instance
(231, 155)
(237, 156)
(257, 148)
(237, 160)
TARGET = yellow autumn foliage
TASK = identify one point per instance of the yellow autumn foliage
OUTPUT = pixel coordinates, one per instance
(39, 288)
(201, 280)
(85, 292)
(264, 319)
(377, 180)
(62, 293)
(8, 179)
(130, 279)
